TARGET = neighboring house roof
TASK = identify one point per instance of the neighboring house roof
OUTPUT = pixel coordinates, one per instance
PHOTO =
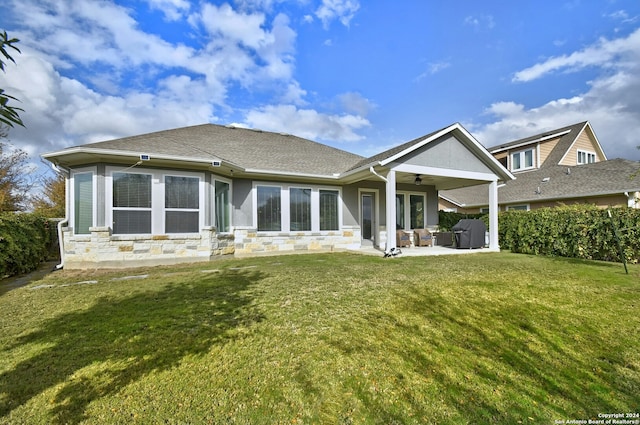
(555, 182)
(269, 152)
(568, 136)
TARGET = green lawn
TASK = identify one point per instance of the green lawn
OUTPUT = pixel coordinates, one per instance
(335, 338)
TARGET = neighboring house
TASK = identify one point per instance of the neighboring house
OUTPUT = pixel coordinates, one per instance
(560, 167)
(193, 193)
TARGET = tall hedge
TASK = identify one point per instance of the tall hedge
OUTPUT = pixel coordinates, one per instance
(25, 242)
(578, 231)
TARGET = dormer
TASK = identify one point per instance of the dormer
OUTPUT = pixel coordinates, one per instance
(568, 146)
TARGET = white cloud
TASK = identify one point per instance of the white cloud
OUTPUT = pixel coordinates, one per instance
(342, 10)
(307, 123)
(356, 103)
(605, 53)
(172, 9)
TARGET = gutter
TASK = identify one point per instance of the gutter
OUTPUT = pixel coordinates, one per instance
(66, 173)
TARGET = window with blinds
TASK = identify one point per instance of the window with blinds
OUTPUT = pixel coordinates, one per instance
(131, 203)
(182, 203)
(329, 219)
(299, 209)
(269, 201)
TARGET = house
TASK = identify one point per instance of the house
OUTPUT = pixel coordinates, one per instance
(559, 167)
(195, 193)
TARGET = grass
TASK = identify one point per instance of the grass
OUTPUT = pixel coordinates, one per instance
(336, 338)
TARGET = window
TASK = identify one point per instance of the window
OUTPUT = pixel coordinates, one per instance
(82, 202)
(585, 157)
(269, 217)
(399, 211)
(329, 210)
(299, 209)
(181, 203)
(154, 202)
(131, 203)
(522, 160)
(517, 207)
(223, 205)
(296, 209)
(416, 203)
(410, 207)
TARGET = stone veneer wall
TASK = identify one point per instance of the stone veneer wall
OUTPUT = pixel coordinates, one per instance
(249, 241)
(101, 249)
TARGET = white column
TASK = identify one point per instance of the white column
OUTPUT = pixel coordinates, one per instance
(391, 210)
(493, 215)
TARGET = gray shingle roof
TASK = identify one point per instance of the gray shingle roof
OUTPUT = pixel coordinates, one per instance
(246, 148)
(600, 178)
(563, 145)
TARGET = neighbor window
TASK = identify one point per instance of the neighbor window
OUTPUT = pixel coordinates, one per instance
(522, 160)
(82, 202)
(299, 209)
(269, 218)
(517, 207)
(131, 203)
(585, 157)
(181, 203)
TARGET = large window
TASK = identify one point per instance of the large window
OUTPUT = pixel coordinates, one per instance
(154, 202)
(223, 207)
(410, 208)
(296, 209)
(82, 202)
(522, 160)
(299, 209)
(131, 203)
(181, 203)
(329, 210)
(269, 217)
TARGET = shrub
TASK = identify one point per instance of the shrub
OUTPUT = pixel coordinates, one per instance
(25, 241)
(578, 231)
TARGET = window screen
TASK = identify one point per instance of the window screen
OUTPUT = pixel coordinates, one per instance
(300, 209)
(269, 218)
(329, 219)
(83, 202)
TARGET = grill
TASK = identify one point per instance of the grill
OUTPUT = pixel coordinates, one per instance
(469, 233)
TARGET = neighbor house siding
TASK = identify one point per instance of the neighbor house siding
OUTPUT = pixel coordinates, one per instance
(545, 149)
(582, 143)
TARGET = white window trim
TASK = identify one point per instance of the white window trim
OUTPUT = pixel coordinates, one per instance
(157, 197)
(201, 198)
(587, 154)
(215, 178)
(407, 207)
(285, 212)
(72, 195)
(521, 154)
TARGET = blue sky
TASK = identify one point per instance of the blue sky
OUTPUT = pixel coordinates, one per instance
(361, 76)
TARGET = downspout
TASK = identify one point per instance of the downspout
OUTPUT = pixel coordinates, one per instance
(65, 220)
(384, 179)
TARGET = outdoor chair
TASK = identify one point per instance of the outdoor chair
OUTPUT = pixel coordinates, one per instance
(402, 239)
(422, 237)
